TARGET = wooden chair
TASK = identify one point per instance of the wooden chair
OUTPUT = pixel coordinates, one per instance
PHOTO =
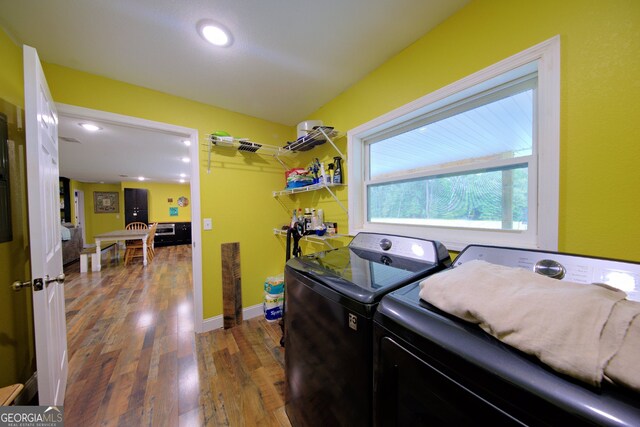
(134, 226)
(137, 226)
(151, 249)
(135, 249)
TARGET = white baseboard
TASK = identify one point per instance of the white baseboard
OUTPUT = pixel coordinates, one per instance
(253, 311)
(29, 391)
(211, 323)
(217, 322)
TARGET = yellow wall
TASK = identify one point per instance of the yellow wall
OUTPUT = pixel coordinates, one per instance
(159, 195)
(97, 223)
(17, 353)
(236, 195)
(600, 48)
(11, 78)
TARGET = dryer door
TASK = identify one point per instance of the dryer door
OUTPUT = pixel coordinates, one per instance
(412, 392)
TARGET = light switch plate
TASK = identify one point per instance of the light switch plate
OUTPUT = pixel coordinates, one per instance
(208, 225)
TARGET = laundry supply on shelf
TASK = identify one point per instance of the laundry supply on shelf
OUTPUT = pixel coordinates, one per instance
(274, 284)
(337, 173)
(273, 297)
(298, 177)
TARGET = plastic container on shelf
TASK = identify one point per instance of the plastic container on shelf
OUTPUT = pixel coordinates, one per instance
(307, 126)
(337, 173)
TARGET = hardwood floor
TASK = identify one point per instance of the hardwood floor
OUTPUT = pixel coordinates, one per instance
(134, 358)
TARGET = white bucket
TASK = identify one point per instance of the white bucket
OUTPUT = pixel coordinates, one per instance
(305, 127)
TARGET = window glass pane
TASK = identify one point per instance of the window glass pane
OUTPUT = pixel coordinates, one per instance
(502, 128)
(489, 199)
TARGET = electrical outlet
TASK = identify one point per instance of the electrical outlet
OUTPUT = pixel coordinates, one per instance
(208, 225)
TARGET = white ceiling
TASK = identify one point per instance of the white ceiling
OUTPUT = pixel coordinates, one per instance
(288, 57)
(120, 153)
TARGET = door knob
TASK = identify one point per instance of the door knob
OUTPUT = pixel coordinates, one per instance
(59, 278)
(18, 285)
(38, 284)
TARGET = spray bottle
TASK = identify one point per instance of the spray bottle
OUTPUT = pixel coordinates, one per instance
(337, 173)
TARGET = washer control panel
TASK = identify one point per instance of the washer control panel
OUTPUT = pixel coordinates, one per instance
(385, 244)
(623, 275)
(407, 247)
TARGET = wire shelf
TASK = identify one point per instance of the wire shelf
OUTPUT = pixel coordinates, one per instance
(305, 189)
(314, 238)
(317, 136)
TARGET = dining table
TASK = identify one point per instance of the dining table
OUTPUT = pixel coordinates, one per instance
(118, 236)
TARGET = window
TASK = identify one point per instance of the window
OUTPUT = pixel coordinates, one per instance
(475, 162)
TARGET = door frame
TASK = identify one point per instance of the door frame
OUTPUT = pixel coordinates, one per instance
(78, 204)
(187, 133)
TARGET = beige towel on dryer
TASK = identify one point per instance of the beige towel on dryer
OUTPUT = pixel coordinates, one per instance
(620, 345)
(559, 322)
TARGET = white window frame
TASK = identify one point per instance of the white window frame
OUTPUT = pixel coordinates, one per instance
(544, 171)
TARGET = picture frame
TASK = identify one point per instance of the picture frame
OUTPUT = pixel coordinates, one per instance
(106, 202)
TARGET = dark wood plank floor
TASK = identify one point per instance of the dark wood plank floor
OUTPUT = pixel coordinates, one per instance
(134, 358)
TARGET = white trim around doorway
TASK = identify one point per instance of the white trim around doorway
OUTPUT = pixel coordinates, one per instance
(190, 134)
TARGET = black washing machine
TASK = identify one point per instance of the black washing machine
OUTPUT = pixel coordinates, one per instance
(432, 368)
(330, 301)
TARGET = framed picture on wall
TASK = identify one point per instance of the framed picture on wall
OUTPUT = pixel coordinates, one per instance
(106, 202)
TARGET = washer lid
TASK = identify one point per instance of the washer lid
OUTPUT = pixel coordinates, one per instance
(364, 276)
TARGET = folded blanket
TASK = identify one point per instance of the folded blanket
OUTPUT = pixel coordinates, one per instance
(620, 345)
(566, 325)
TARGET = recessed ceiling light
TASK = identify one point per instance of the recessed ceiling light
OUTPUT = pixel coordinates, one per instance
(182, 180)
(183, 175)
(141, 178)
(90, 127)
(186, 159)
(186, 142)
(214, 33)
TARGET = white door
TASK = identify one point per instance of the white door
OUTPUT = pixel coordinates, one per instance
(79, 202)
(44, 231)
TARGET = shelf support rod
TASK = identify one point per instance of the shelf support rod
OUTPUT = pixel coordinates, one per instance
(331, 142)
(337, 200)
(285, 207)
(284, 165)
(321, 241)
